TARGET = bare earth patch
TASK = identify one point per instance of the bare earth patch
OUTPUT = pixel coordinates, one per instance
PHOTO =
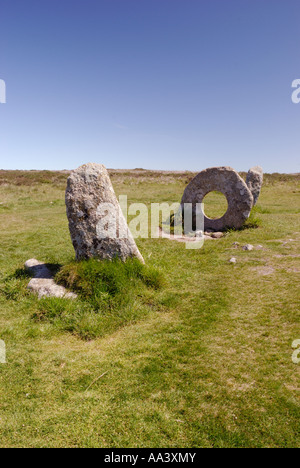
(264, 270)
(165, 235)
(287, 256)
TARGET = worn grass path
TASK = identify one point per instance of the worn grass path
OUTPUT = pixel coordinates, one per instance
(208, 364)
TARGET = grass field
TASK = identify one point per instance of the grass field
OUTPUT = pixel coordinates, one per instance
(204, 360)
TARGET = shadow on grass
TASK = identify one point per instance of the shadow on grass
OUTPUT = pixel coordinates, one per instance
(250, 225)
(23, 273)
(254, 222)
(14, 286)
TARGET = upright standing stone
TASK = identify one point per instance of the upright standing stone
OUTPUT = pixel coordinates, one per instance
(97, 226)
(254, 182)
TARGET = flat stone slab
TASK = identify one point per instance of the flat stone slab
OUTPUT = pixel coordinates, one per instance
(227, 181)
(164, 235)
(43, 283)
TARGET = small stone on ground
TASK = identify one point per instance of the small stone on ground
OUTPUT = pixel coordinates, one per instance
(43, 283)
(248, 247)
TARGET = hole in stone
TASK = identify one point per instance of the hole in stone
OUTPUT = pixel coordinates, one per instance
(215, 205)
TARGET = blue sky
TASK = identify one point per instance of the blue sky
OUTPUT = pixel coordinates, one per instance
(158, 84)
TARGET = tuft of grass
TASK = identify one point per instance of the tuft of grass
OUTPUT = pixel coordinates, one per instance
(11, 290)
(93, 277)
(14, 286)
(111, 295)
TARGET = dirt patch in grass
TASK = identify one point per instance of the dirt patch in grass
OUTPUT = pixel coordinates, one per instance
(263, 270)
